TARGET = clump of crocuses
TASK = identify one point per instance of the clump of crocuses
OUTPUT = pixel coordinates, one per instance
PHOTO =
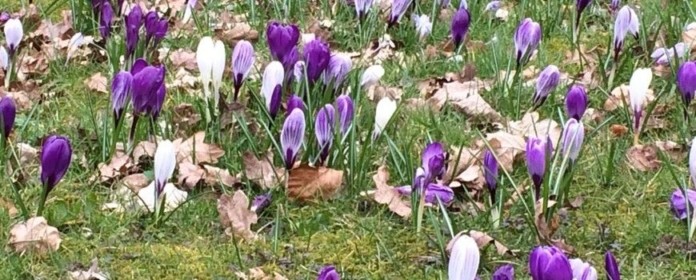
(56, 155)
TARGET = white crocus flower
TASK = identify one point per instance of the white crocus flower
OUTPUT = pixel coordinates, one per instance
(218, 68)
(165, 162)
(13, 33)
(423, 25)
(74, 44)
(464, 258)
(371, 75)
(638, 90)
(385, 110)
(273, 75)
(204, 58)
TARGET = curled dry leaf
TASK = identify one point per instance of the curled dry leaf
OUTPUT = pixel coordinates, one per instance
(643, 158)
(619, 97)
(117, 166)
(307, 182)
(97, 82)
(34, 235)
(386, 194)
(194, 150)
(618, 130)
(262, 172)
(464, 97)
(93, 273)
(135, 182)
(483, 240)
(191, 174)
(236, 32)
(235, 215)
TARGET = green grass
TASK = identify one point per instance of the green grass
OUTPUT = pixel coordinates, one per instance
(363, 239)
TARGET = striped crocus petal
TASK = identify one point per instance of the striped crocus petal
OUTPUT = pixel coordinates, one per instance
(337, 71)
(243, 58)
(464, 258)
(527, 38)
(344, 105)
(626, 22)
(545, 84)
(271, 86)
(573, 136)
(292, 136)
(582, 270)
(398, 9)
(323, 125)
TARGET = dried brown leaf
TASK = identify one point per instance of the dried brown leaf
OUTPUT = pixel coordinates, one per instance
(97, 82)
(674, 150)
(34, 235)
(117, 167)
(465, 97)
(545, 228)
(261, 171)
(643, 158)
(9, 207)
(235, 215)
(386, 194)
(531, 125)
(27, 154)
(483, 240)
(619, 97)
(194, 148)
(144, 149)
(238, 31)
(184, 58)
(306, 183)
(135, 182)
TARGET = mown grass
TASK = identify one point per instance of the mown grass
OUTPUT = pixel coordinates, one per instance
(364, 240)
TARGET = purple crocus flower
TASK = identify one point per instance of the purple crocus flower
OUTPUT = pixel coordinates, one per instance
(160, 95)
(292, 136)
(536, 162)
(611, 267)
(317, 56)
(260, 202)
(56, 154)
(573, 136)
(626, 22)
(490, 173)
(281, 38)
(614, 5)
(290, 60)
(580, 6)
(582, 270)
(549, 263)
(243, 58)
(344, 105)
(362, 7)
(434, 161)
(323, 129)
(107, 15)
(398, 9)
(433, 192)
(294, 102)
(546, 83)
(8, 111)
(504, 272)
(133, 21)
(138, 64)
(147, 89)
(120, 93)
(328, 273)
(337, 71)
(686, 81)
(155, 27)
(460, 26)
(678, 202)
(576, 102)
(527, 38)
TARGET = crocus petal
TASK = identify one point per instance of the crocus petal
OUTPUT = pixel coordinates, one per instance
(292, 136)
(260, 202)
(692, 161)
(385, 109)
(549, 263)
(281, 38)
(316, 56)
(490, 172)
(8, 111)
(464, 261)
(56, 155)
(371, 75)
(13, 34)
(323, 130)
(626, 22)
(611, 267)
(397, 10)
(344, 105)
(546, 83)
(527, 38)
(204, 58)
(107, 15)
(576, 102)
(4, 58)
(504, 272)
(433, 160)
(460, 26)
(243, 58)
(573, 136)
(273, 76)
(218, 68)
(362, 7)
(120, 91)
(637, 89)
(328, 273)
(338, 68)
(536, 161)
(686, 81)
(294, 102)
(423, 25)
(165, 162)
(582, 270)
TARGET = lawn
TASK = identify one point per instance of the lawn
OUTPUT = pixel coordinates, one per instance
(470, 99)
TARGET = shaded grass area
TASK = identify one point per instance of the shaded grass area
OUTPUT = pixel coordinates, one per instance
(364, 240)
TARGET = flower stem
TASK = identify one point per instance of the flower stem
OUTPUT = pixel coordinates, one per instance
(42, 202)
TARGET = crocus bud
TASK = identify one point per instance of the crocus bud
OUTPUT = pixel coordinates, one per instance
(582, 270)
(243, 58)
(464, 258)
(613, 6)
(281, 38)
(504, 272)
(536, 162)
(272, 86)
(398, 9)
(423, 25)
(527, 38)
(138, 64)
(580, 6)
(433, 161)
(146, 84)
(686, 81)
(460, 26)
(8, 111)
(56, 155)
(433, 193)
(611, 267)
(337, 71)
(384, 111)
(490, 173)
(292, 136)
(151, 24)
(371, 75)
(344, 105)
(260, 202)
(188, 10)
(317, 56)
(549, 263)
(120, 93)
(218, 70)
(13, 34)
(419, 180)
(290, 59)
(678, 203)
(573, 136)
(328, 273)
(204, 58)
(323, 130)
(546, 83)
(107, 15)
(638, 90)
(4, 58)
(362, 7)
(294, 102)
(133, 21)
(626, 22)
(165, 162)
(576, 102)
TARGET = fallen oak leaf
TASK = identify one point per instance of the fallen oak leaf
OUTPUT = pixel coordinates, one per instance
(261, 171)
(34, 235)
(235, 215)
(306, 182)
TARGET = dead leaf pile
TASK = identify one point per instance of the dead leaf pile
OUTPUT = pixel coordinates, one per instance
(235, 216)
(232, 28)
(34, 235)
(98, 83)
